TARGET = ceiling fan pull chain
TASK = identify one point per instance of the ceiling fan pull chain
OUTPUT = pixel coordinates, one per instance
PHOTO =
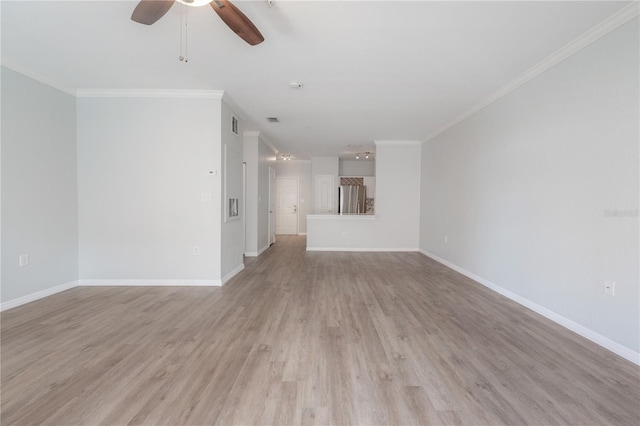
(186, 33)
(181, 57)
(184, 13)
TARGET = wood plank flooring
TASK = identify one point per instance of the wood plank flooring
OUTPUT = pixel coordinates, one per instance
(306, 338)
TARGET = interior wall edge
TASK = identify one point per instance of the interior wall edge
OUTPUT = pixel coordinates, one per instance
(605, 342)
(14, 303)
(233, 273)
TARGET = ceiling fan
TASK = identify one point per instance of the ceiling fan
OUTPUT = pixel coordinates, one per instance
(149, 11)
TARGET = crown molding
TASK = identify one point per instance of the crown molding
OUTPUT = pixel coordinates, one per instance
(149, 93)
(37, 77)
(613, 22)
(268, 143)
(233, 106)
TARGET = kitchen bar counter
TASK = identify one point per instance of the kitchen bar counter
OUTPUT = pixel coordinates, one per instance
(353, 232)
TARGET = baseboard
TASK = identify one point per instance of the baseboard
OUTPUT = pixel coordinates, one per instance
(149, 283)
(362, 249)
(9, 304)
(256, 253)
(302, 233)
(583, 331)
(233, 273)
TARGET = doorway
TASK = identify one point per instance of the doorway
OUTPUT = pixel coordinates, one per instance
(287, 206)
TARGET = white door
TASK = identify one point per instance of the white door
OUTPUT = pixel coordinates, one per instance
(287, 206)
(324, 194)
(272, 206)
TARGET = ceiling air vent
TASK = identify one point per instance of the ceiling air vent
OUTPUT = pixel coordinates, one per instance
(273, 119)
(234, 125)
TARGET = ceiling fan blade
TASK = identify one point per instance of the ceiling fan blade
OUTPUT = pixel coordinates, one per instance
(149, 11)
(237, 21)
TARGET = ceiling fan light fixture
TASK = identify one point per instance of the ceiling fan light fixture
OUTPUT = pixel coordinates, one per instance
(194, 3)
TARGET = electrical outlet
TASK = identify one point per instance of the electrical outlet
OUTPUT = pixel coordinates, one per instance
(344, 235)
(196, 250)
(609, 287)
(23, 260)
(206, 196)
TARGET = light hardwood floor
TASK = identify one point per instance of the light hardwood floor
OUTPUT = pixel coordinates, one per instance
(306, 338)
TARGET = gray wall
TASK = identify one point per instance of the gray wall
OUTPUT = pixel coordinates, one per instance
(397, 218)
(266, 159)
(522, 187)
(258, 157)
(250, 157)
(232, 232)
(143, 166)
(39, 187)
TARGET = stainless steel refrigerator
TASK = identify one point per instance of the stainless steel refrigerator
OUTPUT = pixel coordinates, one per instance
(352, 199)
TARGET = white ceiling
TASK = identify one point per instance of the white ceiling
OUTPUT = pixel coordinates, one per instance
(374, 70)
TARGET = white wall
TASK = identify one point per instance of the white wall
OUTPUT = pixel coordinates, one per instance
(302, 170)
(266, 159)
(39, 192)
(397, 218)
(143, 165)
(250, 141)
(258, 157)
(521, 189)
(357, 168)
